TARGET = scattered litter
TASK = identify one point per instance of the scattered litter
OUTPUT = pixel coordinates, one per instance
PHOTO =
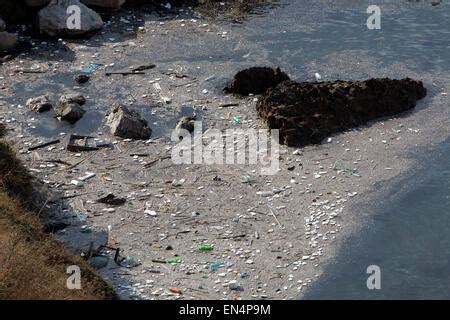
(174, 260)
(237, 120)
(264, 194)
(87, 176)
(77, 183)
(346, 168)
(81, 216)
(178, 183)
(216, 265)
(175, 290)
(151, 213)
(205, 248)
(91, 68)
(77, 143)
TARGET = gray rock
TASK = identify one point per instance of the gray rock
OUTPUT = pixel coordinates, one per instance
(71, 112)
(127, 124)
(99, 262)
(69, 107)
(39, 104)
(53, 19)
(7, 41)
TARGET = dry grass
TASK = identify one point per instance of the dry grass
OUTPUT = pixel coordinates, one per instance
(32, 263)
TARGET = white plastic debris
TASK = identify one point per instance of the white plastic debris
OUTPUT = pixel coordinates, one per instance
(178, 183)
(87, 176)
(264, 194)
(77, 183)
(151, 213)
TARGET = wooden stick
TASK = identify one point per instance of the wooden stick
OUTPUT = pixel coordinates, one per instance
(124, 73)
(43, 145)
(276, 219)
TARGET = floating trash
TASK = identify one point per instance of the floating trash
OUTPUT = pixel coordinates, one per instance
(174, 260)
(205, 248)
(216, 265)
(91, 68)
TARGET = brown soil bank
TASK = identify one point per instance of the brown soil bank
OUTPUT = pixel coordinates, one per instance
(306, 113)
(32, 263)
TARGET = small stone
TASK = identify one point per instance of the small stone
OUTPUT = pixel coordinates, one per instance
(81, 78)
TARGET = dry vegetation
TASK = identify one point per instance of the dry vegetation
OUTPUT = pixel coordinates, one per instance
(32, 263)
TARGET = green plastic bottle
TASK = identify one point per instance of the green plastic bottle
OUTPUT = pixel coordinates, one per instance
(205, 248)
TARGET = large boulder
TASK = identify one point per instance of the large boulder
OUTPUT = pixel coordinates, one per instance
(53, 19)
(127, 123)
(306, 113)
(255, 80)
(39, 104)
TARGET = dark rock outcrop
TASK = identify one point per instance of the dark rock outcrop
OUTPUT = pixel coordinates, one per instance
(306, 113)
(255, 80)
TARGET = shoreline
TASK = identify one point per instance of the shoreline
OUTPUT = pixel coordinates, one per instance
(381, 215)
